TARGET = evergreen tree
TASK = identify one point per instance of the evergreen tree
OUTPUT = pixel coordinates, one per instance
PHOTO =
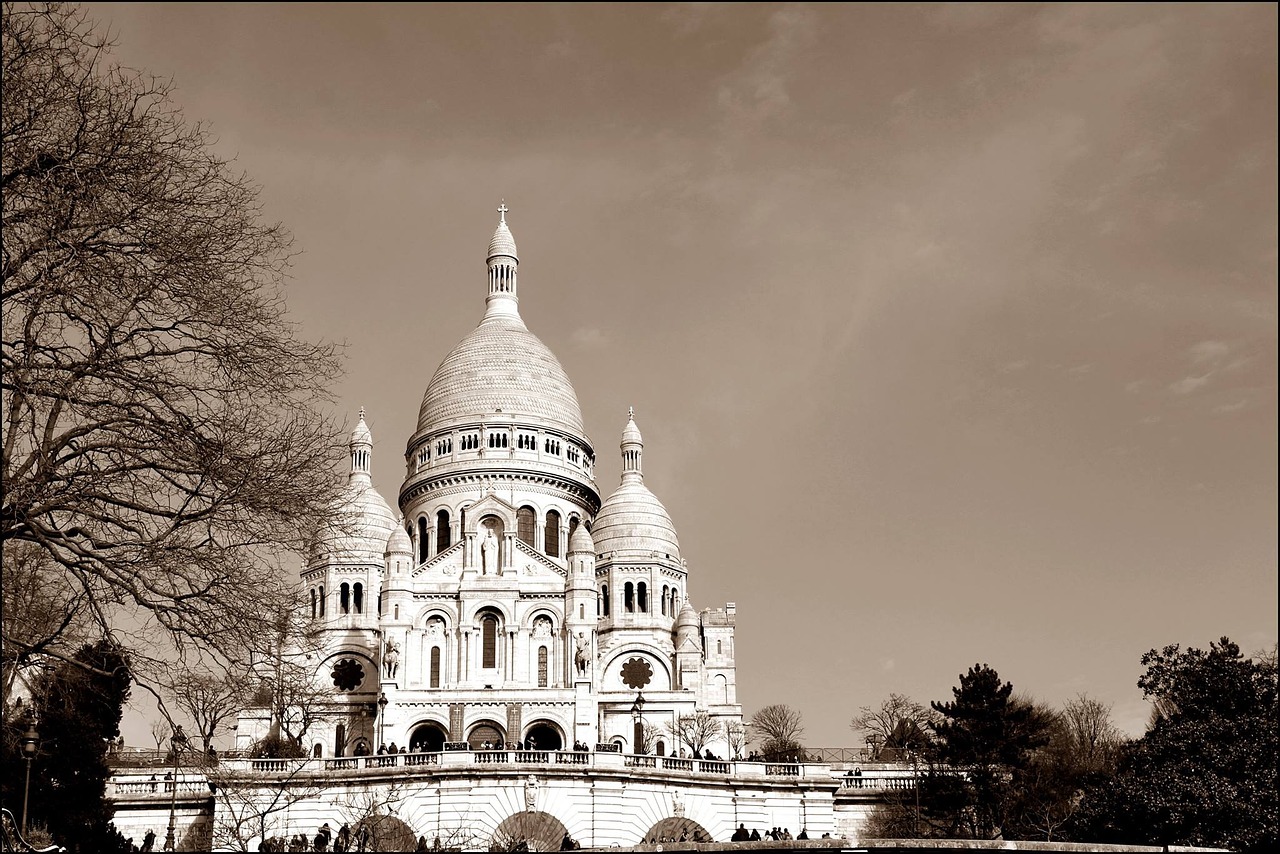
(1205, 771)
(987, 735)
(77, 711)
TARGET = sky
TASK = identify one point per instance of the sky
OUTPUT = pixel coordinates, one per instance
(951, 329)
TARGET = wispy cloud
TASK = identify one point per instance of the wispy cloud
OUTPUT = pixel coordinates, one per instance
(757, 90)
(588, 338)
(1208, 352)
(1188, 384)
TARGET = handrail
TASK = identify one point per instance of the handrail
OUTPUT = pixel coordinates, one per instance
(9, 832)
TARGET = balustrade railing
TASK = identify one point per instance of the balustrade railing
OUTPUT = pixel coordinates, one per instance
(632, 761)
(788, 769)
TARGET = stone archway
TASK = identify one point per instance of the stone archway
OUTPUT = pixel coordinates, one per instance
(383, 833)
(544, 735)
(674, 829)
(427, 738)
(529, 831)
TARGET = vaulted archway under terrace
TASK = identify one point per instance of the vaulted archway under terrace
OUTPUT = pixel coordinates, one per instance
(528, 831)
(427, 738)
(544, 735)
(385, 833)
(676, 829)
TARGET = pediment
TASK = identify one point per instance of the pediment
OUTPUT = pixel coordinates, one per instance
(448, 562)
(533, 564)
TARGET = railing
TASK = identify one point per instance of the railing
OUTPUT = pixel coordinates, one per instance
(789, 769)
(575, 758)
(135, 787)
(633, 761)
(412, 759)
(875, 781)
(677, 764)
(713, 766)
(542, 756)
(491, 757)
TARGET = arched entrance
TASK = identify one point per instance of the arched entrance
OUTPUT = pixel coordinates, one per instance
(676, 830)
(544, 735)
(486, 731)
(427, 738)
(529, 831)
(383, 833)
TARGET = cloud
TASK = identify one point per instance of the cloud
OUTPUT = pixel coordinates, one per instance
(757, 90)
(1208, 352)
(1188, 384)
(888, 664)
(1228, 408)
(588, 338)
(687, 18)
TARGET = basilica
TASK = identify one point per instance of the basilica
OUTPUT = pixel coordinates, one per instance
(505, 604)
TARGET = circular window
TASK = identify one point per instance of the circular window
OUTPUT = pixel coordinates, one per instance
(637, 673)
(347, 674)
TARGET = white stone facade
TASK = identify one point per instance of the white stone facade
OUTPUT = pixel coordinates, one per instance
(506, 602)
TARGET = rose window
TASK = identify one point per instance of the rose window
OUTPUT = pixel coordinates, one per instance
(347, 674)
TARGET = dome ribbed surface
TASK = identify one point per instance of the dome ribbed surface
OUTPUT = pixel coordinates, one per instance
(581, 541)
(687, 618)
(369, 519)
(503, 243)
(399, 542)
(501, 365)
(634, 520)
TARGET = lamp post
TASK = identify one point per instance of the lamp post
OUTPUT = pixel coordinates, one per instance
(637, 710)
(176, 742)
(30, 743)
(382, 717)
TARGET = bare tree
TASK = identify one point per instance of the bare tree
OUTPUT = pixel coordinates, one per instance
(165, 446)
(1094, 739)
(695, 731)
(288, 683)
(777, 729)
(160, 730)
(735, 733)
(208, 701)
(650, 736)
(249, 809)
(899, 723)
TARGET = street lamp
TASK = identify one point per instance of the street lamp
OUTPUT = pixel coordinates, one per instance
(176, 742)
(637, 710)
(30, 744)
(382, 716)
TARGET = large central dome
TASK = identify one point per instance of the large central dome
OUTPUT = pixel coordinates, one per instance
(500, 366)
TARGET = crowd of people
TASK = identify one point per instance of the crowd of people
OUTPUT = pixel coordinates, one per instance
(776, 834)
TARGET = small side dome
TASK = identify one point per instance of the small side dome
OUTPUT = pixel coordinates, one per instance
(687, 618)
(581, 542)
(399, 543)
(632, 519)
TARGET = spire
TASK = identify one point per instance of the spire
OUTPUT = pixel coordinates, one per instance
(632, 449)
(361, 445)
(502, 262)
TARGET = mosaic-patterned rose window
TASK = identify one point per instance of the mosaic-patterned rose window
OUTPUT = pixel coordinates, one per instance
(348, 674)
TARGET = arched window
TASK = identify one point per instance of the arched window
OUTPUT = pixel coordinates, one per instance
(442, 531)
(422, 539)
(604, 599)
(313, 603)
(542, 667)
(358, 598)
(637, 738)
(489, 641)
(344, 598)
(642, 597)
(397, 613)
(340, 740)
(435, 667)
(662, 748)
(322, 600)
(525, 522)
(574, 522)
(582, 611)
(553, 533)
(317, 750)
(665, 591)
(629, 598)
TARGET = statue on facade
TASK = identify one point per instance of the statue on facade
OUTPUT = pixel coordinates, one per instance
(582, 657)
(391, 659)
(489, 552)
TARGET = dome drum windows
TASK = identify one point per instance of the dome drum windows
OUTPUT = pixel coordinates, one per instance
(552, 534)
(572, 454)
(469, 442)
(551, 446)
(499, 440)
(444, 446)
(526, 442)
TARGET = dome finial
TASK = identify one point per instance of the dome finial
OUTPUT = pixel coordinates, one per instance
(631, 413)
(362, 413)
(502, 212)
(632, 447)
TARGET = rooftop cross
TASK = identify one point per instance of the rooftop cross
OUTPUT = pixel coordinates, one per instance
(362, 413)
(631, 412)
(502, 211)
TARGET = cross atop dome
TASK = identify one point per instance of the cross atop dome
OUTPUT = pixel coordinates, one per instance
(502, 212)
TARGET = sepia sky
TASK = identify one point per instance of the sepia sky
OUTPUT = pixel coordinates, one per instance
(951, 330)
